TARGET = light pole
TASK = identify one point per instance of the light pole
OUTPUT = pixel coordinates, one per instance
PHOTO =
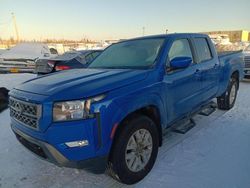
(143, 31)
(15, 26)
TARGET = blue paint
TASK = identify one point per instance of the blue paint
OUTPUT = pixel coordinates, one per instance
(174, 93)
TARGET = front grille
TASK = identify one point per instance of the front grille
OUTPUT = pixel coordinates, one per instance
(24, 112)
(247, 61)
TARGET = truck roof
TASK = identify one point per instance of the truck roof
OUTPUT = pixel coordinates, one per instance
(170, 36)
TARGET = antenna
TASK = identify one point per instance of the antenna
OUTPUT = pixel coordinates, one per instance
(15, 26)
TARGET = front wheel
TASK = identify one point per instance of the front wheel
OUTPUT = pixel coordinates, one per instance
(227, 100)
(134, 151)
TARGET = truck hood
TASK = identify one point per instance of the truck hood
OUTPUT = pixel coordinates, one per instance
(79, 83)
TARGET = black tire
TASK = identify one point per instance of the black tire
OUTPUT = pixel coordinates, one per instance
(224, 100)
(117, 166)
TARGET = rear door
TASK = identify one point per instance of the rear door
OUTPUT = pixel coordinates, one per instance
(183, 85)
(209, 67)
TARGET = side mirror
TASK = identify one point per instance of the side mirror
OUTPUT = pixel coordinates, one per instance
(180, 62)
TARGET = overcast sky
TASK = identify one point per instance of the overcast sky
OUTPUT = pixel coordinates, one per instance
(113, 19)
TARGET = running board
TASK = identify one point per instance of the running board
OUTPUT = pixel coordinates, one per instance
(183, 126)
(209, 109)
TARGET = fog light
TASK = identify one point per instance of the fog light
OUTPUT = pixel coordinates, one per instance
(79, 143)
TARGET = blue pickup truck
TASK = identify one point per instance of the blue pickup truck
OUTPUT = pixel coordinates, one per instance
(113, 114)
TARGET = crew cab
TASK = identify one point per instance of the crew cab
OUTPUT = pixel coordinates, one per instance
(112, 115)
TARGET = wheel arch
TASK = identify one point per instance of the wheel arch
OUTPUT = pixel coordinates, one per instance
(150, 111)
(235, 74)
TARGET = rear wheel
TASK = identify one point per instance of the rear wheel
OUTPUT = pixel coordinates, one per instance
(227, 100)
(134, 151)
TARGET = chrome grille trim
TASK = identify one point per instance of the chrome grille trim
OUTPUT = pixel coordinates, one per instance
(25, 113)
(247, 61)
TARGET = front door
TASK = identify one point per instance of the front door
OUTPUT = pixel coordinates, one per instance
(183, 86)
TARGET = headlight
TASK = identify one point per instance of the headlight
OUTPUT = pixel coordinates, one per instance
(74, 110)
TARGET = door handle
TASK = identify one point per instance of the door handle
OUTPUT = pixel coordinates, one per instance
(197, 71)
(197, 74)
(216, 66)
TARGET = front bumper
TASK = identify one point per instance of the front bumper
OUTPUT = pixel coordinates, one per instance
(49, 153)
(13, 67)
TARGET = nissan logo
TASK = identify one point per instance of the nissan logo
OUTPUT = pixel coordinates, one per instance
(19, 108)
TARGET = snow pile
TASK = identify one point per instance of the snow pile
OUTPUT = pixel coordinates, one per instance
(29, 50)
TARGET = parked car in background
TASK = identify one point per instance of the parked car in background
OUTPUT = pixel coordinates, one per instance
(3, 98)
(2, 51)
(246, 53)
(68, 60)
(21, 58)
(114, 113)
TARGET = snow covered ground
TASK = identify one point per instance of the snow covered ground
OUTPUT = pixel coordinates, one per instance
(214, 154)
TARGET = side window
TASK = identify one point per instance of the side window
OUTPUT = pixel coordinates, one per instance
(202, 48)
(80, 58)
(89, 58)
(95, 54)
(180, 48)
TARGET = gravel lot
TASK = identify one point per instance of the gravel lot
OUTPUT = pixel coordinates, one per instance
(215, 153)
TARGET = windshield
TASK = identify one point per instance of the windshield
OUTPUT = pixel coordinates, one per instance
(132, 54)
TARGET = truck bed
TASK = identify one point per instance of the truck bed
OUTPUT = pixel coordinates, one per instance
(225, 53)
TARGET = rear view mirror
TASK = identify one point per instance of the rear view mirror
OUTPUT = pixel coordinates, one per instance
(180, 62)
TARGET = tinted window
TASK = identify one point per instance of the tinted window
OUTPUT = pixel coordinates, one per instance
(89, 58)
(180, 48)
(203, 50)
(133, 54)
(81, 58)
(95, 54)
